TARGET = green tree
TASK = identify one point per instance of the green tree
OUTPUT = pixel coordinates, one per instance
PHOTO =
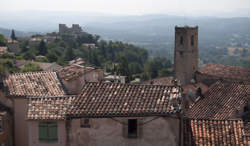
(69, 54)
(13, 35)
(2, 40)
(164, 72)
(42, 48)
(30, 68)
(51, 57)
(28, 56)
(123, 68)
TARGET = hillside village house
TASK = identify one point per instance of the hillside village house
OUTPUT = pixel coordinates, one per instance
(108, 114)
(3, 50)
(75, 76)
(22, 85)
(47, 121)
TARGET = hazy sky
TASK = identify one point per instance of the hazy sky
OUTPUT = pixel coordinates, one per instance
(131, 7)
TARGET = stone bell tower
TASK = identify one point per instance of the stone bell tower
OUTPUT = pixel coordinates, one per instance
(186, 53)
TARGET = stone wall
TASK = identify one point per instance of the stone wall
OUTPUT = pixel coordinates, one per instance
(186, 53)
(111, 132)
(75, 29)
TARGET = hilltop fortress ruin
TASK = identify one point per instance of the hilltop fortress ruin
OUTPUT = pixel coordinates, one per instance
(75, 30)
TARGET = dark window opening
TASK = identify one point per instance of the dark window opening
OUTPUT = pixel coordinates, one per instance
(246, 109)
(181, 53)
(85, 123)
(181, 40)
(132, 128)
(192, 40)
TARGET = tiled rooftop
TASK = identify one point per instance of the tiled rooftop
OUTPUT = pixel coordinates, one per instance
(48, 108)
(247, 128)
(3, 50)
(34, 84)
(73, 71)
(123, 100)
(194, 87)
(214, 133)
(168, 81)
(221, 101)
(232, 73)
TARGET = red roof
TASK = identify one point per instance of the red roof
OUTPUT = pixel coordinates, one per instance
(221, 101)
(34, 84)
(168, 81)
(231, 73)
(125, 100)
(48, 108)
(214, 132)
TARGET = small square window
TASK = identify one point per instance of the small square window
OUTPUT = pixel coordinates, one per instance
(85, 123)
(132, 128)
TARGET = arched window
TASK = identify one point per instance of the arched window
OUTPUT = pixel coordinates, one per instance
(181, 40)
(192, 40)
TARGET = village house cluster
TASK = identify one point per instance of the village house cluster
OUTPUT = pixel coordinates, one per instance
(79, 105)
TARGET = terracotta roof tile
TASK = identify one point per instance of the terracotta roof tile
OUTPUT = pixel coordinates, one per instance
(225, 72)
(48, 108)
(168, 81)
(247, 128)
(214, 132)
(121, 100)
(34, 84)
(221, 101)
(3, 50)
(73, 71)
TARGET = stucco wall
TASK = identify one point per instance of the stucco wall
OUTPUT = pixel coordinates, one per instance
(108, 132)
(20, 123)
(34, 136)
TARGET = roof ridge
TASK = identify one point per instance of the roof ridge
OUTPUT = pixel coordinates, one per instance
(133, 84)
(31, 72)
(39, 97)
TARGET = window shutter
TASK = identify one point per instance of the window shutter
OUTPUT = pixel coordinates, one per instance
(43, 132)
(53, 132)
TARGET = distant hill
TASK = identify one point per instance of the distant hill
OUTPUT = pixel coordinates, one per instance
(7, 33)
(153, 32)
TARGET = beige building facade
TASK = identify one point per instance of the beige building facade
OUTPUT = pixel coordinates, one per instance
(157, 131)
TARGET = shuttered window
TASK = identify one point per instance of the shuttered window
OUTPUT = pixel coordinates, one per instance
(48, 132)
